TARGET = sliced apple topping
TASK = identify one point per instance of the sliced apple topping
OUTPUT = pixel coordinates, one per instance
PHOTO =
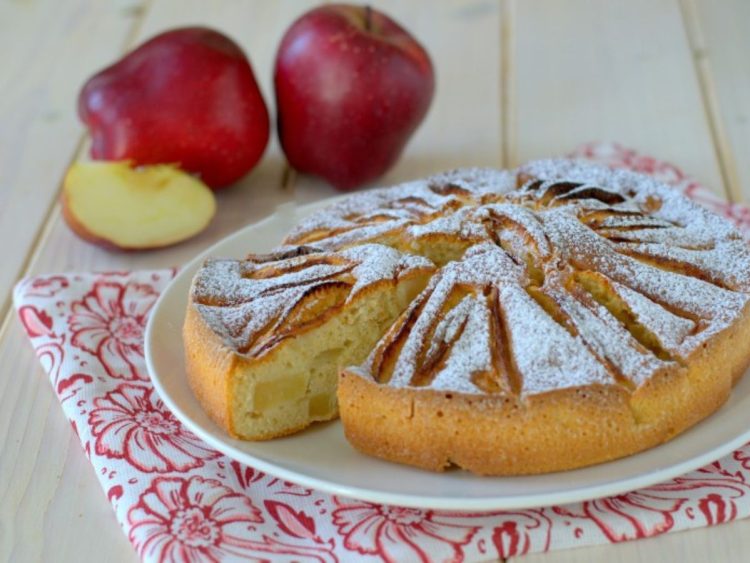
(117, 205)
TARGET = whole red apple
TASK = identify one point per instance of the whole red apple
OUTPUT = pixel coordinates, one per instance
(352, 85)
(188, 96)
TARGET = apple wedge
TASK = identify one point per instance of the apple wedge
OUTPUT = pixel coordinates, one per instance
(116, 205)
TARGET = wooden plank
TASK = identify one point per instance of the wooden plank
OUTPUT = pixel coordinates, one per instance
(45, 481)
(463, 126)
(719, 35)
(257, 26)
(727, 543)
(40, 74)
(50, 500)
(42, 471)
(621, 70)
(454, 121)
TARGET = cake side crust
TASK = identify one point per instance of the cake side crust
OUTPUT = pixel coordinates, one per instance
(302, 370)
(554, 431)
(209, 366)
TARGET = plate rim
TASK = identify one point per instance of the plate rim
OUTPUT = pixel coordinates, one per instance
(615, 486)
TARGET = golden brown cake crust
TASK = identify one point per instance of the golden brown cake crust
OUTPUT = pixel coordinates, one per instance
(593, 314)
(539, 320)
(264, 337)
(209, 367)
(554, 431)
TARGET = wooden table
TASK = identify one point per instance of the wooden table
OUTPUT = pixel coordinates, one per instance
(516, 80)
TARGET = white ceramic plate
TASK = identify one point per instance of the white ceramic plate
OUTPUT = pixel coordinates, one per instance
(321, 458)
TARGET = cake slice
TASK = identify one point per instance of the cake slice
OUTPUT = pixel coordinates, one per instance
(265, 337)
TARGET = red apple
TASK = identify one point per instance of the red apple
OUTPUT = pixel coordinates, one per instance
(352, 85)
(188, 96)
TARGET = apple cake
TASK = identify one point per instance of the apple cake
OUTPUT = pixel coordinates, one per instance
(506, 322)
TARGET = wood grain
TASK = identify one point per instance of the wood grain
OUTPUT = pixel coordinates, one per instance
(40, 75)
(50, 501)
(623, 71)
(256, 26)
(721, 47)
(609, 71)
(561, 73)
(727, 543)
(51, 505)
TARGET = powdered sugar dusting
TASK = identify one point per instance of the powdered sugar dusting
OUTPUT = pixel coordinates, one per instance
(709, 262)
(483, 265)
(680, 271)
(584, 249)
(545, 355)
(246, 301)
(471, 351)
(369, 215)
(605, 336)
(461, 224)
(671, 330)
(375, 262)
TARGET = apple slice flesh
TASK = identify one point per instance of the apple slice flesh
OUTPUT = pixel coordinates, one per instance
(114, 204)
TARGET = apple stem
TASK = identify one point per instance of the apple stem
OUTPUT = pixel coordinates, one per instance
(368, 17)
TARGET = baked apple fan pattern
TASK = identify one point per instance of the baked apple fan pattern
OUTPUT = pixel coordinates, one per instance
(179, 500)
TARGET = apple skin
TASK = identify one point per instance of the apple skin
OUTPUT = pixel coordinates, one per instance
(187, 96)
(351, 87)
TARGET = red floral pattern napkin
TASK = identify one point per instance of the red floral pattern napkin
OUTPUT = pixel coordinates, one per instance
(179, 500)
